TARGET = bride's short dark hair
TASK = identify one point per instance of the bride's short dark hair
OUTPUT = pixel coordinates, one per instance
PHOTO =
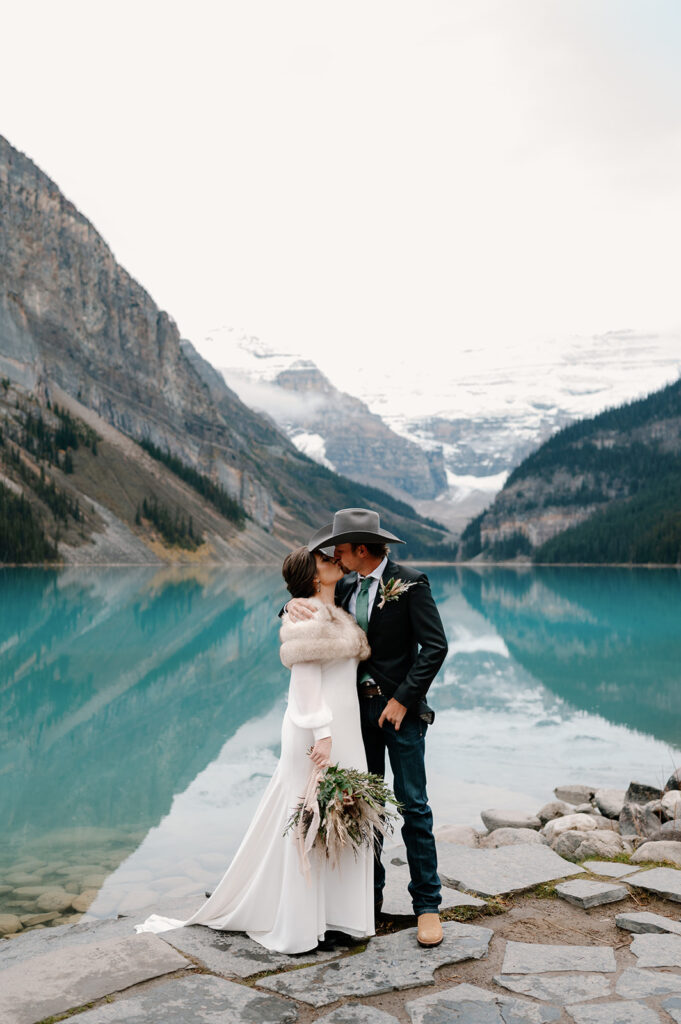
(299, 570)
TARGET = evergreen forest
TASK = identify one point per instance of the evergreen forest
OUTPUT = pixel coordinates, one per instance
(624, 466)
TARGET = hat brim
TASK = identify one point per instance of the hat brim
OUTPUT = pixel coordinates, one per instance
(319, 539)
(362, 537)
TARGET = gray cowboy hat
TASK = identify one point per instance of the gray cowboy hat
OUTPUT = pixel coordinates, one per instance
(352, 526)
(317, 539)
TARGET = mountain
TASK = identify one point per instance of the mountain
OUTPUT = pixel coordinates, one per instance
(605, 489)
(475, 415)
(490, 407)
(118, 441)
(332, 427)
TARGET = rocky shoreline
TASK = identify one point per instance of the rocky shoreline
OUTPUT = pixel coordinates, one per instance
(584, 822)
(530, 936)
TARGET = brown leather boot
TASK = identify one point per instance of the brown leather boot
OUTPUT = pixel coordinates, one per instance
(429, 930)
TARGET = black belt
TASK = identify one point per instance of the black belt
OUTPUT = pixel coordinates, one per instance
(370, 689)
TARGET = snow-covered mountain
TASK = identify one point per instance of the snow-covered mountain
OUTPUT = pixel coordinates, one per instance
(483, 409)
(489, 408)
(334, 428)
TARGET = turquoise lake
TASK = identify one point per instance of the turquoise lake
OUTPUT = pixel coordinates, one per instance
(140, 711)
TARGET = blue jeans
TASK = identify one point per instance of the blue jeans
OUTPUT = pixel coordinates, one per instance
(406, 750)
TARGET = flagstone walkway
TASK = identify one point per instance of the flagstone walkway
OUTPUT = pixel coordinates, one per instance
(487, 971)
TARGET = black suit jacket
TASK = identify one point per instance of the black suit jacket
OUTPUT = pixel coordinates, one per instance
(407, 640)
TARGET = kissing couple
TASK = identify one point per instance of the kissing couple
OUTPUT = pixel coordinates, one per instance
(363, 639)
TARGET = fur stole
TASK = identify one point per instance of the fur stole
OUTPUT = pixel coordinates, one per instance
(331, 634)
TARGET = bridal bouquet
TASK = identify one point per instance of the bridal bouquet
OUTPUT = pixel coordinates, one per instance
(341, 808)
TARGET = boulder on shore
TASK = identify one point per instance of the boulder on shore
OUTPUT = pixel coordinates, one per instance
(567, 844)
(511, 837)
(9, 924)
(669, 830)
(671, 805)
(508, 818)
(461, 835)
(574, 794)
(668, 851)
(577, 845)
(641, 793)
(610, 802)
(640, 820)
(600, 843)
(579, 822)
(554, 809)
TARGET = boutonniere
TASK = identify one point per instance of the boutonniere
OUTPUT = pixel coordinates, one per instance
(393, 590)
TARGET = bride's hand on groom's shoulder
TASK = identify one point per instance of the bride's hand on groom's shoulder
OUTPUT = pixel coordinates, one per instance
(300, 608)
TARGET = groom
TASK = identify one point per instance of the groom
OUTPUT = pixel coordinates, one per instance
(394, 606)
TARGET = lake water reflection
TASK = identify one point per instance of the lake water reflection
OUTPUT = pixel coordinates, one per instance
(140, 711)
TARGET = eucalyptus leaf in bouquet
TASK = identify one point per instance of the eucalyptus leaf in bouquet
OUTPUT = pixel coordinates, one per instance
(341, 809)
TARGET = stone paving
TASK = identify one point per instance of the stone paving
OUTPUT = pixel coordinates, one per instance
(663, 881)
(479, 975)
(397, 901)
(358, 1013)
(657, 950)
(610, 868)
(202, 999)
(614, 1013)
(473, 1005)
(67, 977)
(231, 954)
(587, 894)
(537, 958)
(643, 921)
(635, 983)
(504, 870)
(559, 988)
(391, 962)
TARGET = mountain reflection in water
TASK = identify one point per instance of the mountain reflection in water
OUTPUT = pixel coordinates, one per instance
(611, 647)
(118, 686)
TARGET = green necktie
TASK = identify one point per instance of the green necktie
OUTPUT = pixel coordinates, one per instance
(362, 606)
(362, 616)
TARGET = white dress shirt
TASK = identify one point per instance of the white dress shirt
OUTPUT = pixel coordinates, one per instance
(375, 578)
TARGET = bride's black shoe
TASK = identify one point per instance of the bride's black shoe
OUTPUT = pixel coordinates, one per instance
(342, 939)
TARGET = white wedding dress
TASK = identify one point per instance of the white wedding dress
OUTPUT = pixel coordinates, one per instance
(264, 891)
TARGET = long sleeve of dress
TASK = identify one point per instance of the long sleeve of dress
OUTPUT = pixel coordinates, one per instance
(306, 705)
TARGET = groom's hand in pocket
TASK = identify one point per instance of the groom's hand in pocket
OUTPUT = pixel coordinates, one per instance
(393, 712)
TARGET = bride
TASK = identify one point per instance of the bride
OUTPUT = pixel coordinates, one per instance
(264, 891)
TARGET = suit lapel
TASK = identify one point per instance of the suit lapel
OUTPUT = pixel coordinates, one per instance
(389, 571)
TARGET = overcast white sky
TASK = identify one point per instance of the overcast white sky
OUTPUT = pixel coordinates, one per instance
(353, 178)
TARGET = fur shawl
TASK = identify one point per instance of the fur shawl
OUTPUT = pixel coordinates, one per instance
(331, 634)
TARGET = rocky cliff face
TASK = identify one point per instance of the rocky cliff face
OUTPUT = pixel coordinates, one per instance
(69, 314)
(74, 323)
